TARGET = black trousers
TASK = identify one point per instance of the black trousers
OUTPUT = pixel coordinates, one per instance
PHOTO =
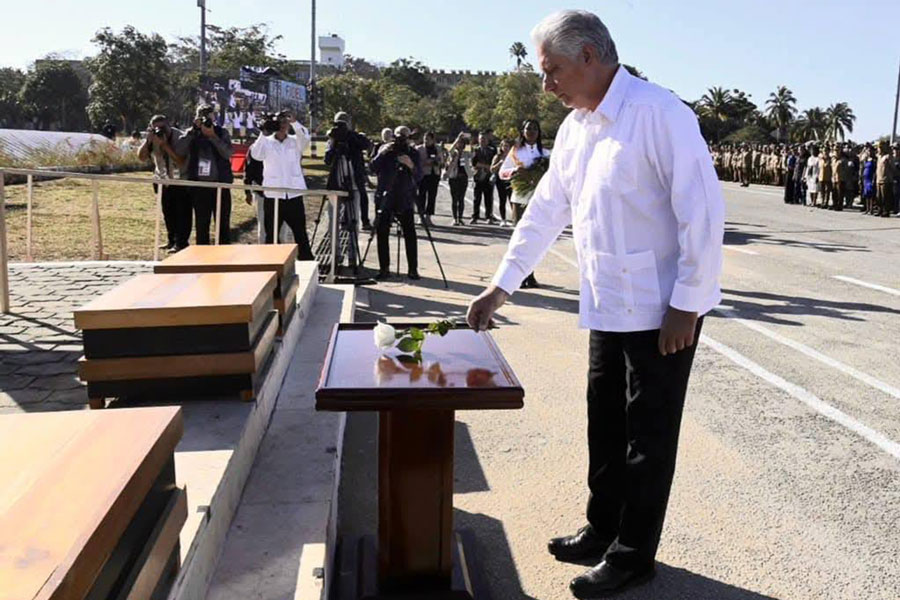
(789, 189)
(635, 399)
(408, 225)
(504, 191)
(484, 189)
(458, 187)
(292, 212)
(428, 188)
(176, 209)
(204, 201)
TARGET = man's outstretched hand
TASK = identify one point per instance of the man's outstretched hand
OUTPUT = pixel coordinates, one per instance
(483, 307)
(677, 331)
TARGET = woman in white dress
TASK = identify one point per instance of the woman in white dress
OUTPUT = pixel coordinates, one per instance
(525, 156)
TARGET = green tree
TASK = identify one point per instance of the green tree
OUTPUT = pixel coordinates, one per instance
(11, 82)
(478, 100)
(752, 133)
(55, 97)
(781, 109)
(400, 103)
(412, 74)
(552, 113)
(131, 77)
(810, 125)
(230, 48)
(839, 119)
(715, 110)
(518, 52)
(355, 95)
(517, 100)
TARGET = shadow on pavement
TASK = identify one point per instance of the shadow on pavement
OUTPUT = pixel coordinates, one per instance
(794, 305)
(734, 237)
(672, 583)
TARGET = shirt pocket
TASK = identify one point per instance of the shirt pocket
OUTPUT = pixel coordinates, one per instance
(625, 283)
(613, 166)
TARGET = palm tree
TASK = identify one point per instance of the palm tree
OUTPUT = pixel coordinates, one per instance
(781, 110)
(715, 104)
(811, 124)
(839, 120)
(518, 51)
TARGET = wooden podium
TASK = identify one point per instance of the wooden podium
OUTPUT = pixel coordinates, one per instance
(89, 508)
(188, 334)
(418, 552)
(234, 258)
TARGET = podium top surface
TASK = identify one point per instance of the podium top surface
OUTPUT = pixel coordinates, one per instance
(232, 257)
(463, 370)
(70, 483)
(165, 300)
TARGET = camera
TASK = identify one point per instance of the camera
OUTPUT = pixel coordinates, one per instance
(207, 122)
(159, 131)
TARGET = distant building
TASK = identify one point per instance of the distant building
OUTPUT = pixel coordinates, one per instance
(444, 80)
(331, 51)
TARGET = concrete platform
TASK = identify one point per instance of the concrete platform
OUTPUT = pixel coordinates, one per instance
(281, 539)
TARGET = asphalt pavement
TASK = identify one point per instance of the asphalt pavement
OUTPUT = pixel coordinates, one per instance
(788, 476)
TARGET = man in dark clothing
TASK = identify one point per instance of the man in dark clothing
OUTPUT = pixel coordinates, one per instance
(176, 204)
(350, 174)
(206, 150)
(399, 173)
(482, 159)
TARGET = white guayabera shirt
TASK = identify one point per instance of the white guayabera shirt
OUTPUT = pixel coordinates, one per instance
(635, 180)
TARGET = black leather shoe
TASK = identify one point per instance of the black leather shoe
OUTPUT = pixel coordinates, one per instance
(414, 275)
(383, 275)
(584, 544)
(606, 580)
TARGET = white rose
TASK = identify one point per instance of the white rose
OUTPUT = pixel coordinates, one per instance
(385, 336)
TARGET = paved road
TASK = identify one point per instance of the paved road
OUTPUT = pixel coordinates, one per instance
(788, 478)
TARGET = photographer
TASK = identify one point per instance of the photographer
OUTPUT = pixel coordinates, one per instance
(280, 154)
(398, 171)
(206, 149)
(482, 159)
(176, 202)
(253, 173)
(431, 157)
(345, 157)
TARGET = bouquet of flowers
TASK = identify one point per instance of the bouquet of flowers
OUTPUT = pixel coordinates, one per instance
(526, 179)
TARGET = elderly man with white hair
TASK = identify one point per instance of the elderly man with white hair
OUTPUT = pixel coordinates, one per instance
(633, 176)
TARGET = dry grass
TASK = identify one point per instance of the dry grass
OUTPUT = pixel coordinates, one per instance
(61, 219)
(105, 155)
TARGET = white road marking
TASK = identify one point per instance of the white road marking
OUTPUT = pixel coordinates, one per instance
(741, 250)
(834, 364)
(873, 286)
(811, 400)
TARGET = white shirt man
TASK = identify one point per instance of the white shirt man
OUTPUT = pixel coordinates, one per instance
(281, 154)
(632, 174)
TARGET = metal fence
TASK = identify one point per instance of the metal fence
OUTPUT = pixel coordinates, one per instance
(333, 197)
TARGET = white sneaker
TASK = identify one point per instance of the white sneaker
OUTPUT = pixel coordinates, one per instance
(504, 223)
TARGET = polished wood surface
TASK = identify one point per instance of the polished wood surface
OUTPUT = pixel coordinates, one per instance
(278, 258)
(186, 365)
(415, 499)
(70, 483)
(152, 300)
(290, 296)
(462, 370)
(158, 552)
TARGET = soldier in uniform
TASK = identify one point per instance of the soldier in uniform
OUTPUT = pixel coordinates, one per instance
(884, 180)
(826, 185)
(746, 166)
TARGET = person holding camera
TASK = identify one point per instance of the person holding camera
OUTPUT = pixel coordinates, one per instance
(345, 156)
(482, 159)
(206, 148)
(159, 146)
(281, 153)
(399, 173)
(457, 175)
(431, 157)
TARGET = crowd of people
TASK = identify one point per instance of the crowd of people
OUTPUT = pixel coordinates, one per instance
(828, 175)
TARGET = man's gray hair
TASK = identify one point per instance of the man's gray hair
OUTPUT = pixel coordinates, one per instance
(568, 31)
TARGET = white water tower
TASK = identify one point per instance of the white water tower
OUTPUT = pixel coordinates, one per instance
(331, 50)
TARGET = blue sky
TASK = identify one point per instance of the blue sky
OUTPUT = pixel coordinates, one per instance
(825, 50)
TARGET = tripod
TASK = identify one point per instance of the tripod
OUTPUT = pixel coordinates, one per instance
(396, 223)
